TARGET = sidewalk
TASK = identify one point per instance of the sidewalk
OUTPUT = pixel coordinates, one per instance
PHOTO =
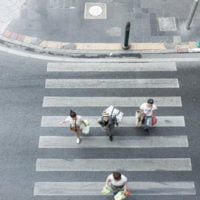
(59, 25)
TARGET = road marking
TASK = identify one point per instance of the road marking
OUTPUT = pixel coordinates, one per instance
(111, 83)
(112, 67)
(142, 164)
(94, 188)
(119, 142)
(163, 121)
(57, 101)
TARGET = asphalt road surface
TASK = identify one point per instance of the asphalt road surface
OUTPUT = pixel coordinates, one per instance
(39, 159)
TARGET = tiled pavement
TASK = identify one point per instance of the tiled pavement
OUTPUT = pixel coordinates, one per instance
(61, 24)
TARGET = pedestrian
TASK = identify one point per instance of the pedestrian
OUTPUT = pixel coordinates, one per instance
(107, 124)
(75, 122)
(117, 181)
(148, 111)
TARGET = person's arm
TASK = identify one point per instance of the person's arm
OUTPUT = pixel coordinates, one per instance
(82, 122)
(64, 121)
(142, 113)
(125, 186)
(142, 110)
(154, 110)
(107, 181)
(153, 113)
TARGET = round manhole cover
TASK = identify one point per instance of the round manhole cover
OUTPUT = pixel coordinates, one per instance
(95, 10)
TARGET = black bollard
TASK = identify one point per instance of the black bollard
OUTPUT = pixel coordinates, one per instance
(192, 12)
(126, 38)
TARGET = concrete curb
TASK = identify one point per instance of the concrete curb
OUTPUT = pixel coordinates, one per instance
(32, 44)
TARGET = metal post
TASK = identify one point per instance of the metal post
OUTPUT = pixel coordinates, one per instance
(126, 38)
(191, 15)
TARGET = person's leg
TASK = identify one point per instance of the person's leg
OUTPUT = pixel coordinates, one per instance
(117, 189)
(76, 132)
(114, 190)
(110, 133)
(147, 123)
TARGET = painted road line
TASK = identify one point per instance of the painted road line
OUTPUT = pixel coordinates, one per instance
(111, 83)
(120, 142)
(163, 121)
(94, 188)
(112, 67)
(57, 101)
(142, 164)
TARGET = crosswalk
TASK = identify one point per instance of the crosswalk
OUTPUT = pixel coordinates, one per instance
(61, 82)
(49, 101)
(111, 83)
(92, 188)
(120, 142)
(163, 121)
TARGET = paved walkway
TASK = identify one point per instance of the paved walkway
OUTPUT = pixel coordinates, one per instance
(83, 25)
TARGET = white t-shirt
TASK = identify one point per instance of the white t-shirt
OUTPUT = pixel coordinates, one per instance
(72, 121)
(121, 182)
(148, 110)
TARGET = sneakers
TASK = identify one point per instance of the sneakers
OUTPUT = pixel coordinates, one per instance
(78, 140)
(111, 138)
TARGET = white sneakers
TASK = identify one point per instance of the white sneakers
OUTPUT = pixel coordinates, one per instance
(78, 140)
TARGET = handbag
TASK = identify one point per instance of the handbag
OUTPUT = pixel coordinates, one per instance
(128, 193)
(85, 127)
(138, 118)
(154, 120)
(120, 195)
(106, 190)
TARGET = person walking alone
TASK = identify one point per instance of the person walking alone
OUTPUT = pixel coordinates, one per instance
(75, 122)
(117, 181)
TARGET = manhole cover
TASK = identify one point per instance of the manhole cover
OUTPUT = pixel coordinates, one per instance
(95, 10)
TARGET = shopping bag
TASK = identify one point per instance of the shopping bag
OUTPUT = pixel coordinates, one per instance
(154, 121)
(114, 112)
(85, 127)
(127, 193)
(120, 195)
(106, 190)
(138, 118)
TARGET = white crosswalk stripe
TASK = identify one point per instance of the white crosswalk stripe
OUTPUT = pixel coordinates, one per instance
(143, 164)
(94, 188)
(163, 121)
(57, 101)
(120, 142)
(111, 83)
(123, 164)
(113, 67)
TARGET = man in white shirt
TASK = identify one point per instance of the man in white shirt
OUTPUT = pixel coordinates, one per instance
(148, 110)
(117, 181)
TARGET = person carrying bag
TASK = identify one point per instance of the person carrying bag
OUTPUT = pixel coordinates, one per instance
(148, 110)
(110, 118)
(118, 183)
(75, 121)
